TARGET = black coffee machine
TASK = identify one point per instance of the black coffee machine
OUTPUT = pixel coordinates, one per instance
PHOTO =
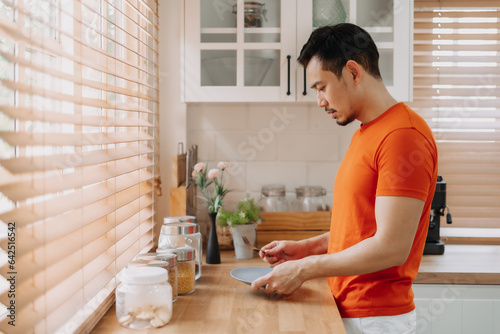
(433, 244)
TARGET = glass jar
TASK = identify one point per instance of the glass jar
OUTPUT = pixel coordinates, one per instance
(179, 219)
(185, 268)
(310, 198)
(143, 298)
(273, 198)
(180, 234)
(167, 261)
(254, 13)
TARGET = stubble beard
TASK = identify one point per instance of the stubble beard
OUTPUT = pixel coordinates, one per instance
(346, 121)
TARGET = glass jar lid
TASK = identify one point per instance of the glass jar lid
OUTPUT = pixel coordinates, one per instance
(273, 190)
(310, 191)
(183, 253)
(170, 259)
(143, 275)
(179, 228)
(179, 219)
(148, 263)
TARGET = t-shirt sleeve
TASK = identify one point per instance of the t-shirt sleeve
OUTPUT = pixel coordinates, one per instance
(405, 163)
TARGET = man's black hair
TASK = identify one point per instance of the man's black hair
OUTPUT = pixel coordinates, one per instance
(335, 45)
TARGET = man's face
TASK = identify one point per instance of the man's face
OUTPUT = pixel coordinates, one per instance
(332, 92)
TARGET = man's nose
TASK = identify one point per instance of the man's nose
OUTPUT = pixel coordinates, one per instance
(322, 103)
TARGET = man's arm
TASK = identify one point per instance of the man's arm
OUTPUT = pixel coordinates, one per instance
(278, 252)
(397, 221)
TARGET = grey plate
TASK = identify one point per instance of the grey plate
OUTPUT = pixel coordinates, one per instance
(250, 274)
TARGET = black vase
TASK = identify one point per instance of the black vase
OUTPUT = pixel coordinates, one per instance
(213, 252)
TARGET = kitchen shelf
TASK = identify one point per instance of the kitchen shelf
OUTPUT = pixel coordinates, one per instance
(379, 30)
(245, 30)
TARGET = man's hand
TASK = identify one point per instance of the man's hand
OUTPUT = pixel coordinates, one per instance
(283, 280)
(278, 252)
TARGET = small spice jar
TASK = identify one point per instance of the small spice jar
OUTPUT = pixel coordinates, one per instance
(167, 261)
(182, 234)
(143, 298)
(185, 269)
(273, 198)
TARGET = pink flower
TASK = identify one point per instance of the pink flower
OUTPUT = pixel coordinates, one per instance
(222, 165)
(213, 173)
(194, 173)
(199, 167)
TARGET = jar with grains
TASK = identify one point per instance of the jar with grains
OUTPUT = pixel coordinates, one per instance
(185, 269)
(181, 234)
(143, 298)
(273, 198)
(167, 261)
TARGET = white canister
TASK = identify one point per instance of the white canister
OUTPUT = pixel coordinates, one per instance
(143, 298)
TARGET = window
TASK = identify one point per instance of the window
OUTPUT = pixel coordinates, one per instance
(78, 155)
(456, 89)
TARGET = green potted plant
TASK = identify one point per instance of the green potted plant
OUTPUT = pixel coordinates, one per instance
(242, 222)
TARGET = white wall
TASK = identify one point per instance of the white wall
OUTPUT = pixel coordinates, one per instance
(172, 123)
(293, 144)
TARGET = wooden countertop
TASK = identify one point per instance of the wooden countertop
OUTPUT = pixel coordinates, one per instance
(462, 264)
(221, 304)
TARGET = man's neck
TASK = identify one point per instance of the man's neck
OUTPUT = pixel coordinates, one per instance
(375, 101)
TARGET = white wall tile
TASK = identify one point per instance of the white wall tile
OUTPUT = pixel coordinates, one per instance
(235, 177)
(267, 137)
(322, 174)
(320, 121)
(308, 147)
(217, 116)
(206, 144)
(292, 175)
(477, 316)
(245, 147)
(277, 117)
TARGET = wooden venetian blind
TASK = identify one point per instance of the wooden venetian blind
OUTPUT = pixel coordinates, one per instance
(457, 90)
(78, 155)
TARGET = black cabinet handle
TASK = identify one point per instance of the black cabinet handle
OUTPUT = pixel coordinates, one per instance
(305, 86)
(288, 91)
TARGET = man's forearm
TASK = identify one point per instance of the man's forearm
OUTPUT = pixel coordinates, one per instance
(316, 245)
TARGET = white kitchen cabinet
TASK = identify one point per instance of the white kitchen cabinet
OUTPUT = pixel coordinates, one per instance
(226, 61)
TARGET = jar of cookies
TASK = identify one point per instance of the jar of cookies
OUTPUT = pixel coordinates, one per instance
(143, 297)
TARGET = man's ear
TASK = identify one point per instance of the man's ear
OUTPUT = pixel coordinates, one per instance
(354, 71)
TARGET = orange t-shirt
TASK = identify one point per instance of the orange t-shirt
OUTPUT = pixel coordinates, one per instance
(393, 155)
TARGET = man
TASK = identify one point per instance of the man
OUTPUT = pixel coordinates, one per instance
(382, 195)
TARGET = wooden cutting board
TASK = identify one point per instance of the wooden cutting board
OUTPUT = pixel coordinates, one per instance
(179, 170)
(178, 201)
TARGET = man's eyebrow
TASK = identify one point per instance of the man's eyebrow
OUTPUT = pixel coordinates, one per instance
(315, 84)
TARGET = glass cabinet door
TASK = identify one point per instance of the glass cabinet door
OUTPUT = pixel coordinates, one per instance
(314, 14)
(241, 46)
(376, 17)
(390, 23)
